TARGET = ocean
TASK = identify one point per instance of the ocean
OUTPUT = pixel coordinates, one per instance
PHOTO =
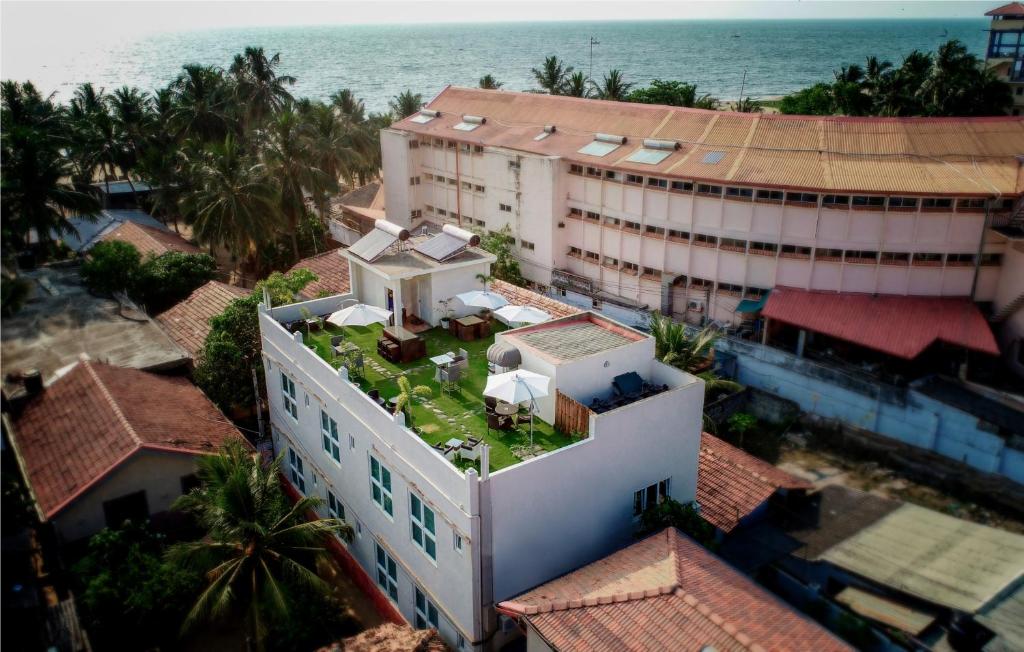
(379, 61)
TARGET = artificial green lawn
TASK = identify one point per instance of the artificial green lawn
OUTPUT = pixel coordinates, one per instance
(465, 405)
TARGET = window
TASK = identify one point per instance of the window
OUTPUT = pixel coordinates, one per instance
(591, 215)
(859, 256)
(513, 165)
(460, 640)
(834, 201)
(480, 223)
(576, 212)
(575, 169)
(903, 202)
(611, 262)
(729, 288)
(802, 197)
(697, 282)
(442, 212)
(593, 172)
(991, 259)
(457, 542)
(678, 235)
(295, 470)
(478, 188)
(478, 149)
(706, 240)
(426, 612)
(894, 258)
(739, 193)
(611, 175)
(635, 179)
(971, 205)
(707, 189)
(464, 147)
(505, 208)
(655, 230)
(928, 260)
(648, 497)
(612, 221)
(450, 144)
(452, 182)
(592, 256)
(796, 251)
(650, 272)
(769, 195)
(763, 248)
(632, 226)
(526, 245)
(438, 143)
(351, 443)
(429, 208)
(959, 260)
(329, 433)
(423, 534)
(467, 185)
(631, 268)
(732, 244)
(387, 572)
(657, 183)
(380, 486)
(414, 144)
(936, 203)
(334, 507)
(291, 406)
(682, 186)
(875, 203)
(828, 254)
(415, 213)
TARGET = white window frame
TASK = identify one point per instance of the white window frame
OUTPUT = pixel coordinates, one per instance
(330, 438)
(640, 496)
(387, 572)
(380, 487)
(291, 403)
(457, 542)
(423, 618)
(423, 524)
(334, 507)
(296, 471)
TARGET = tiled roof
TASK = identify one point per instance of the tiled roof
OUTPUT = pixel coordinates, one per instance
(368, 196)
(665, 592)
(95, 416)
(898, 325)
(150, 240)
(518, 296)
(731, 483)
(966, 156)
(332, 270)
(188, 322)
(1012, 9)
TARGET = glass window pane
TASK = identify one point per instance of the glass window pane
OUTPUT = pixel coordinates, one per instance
(421, 601)
(376, 494)
(380, 555)
(415, 506)
(375, 469)
(428, 519)
(385, 478)
(417, 534)
(431, 548)
(392, 569)
(387, 505)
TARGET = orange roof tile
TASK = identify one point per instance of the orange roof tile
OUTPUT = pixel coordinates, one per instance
(94, 417)
(665, 592)
(934, 156)
(332, 272)
(732, 484)
(150, 240)
(188, 322)
(518, 296)
(1012, 9)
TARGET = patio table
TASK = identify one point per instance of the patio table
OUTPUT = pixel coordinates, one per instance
(468, 328)
(442, 360)
(453, 443)
(506, 409)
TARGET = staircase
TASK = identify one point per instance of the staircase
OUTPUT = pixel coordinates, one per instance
(1006, 311)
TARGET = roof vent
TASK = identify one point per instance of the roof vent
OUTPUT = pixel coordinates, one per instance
(651, 143)
(549, 129)
(610, 138)
(474, 119)
(430, 113)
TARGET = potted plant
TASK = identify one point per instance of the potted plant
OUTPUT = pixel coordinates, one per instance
(446, 316)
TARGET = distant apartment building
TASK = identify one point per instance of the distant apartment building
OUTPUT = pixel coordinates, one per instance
(448, 531)
(1005, 53)
(627, 208)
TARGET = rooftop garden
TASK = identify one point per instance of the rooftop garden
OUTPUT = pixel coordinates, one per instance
(442, 416)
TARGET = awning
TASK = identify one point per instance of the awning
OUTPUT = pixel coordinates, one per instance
(900, 326)
(752, 305)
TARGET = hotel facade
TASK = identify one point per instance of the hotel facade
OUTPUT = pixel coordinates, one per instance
(627, 208)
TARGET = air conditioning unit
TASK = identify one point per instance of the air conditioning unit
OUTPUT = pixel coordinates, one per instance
(695, 305)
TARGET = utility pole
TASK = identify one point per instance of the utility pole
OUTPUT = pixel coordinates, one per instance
(593, 42)
(743, 85)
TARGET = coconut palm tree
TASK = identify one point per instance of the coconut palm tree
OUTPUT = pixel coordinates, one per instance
(200, 102)
(673, 346)
(258, 87)
(553, 75)
(350, 106)
(406, 392)
(489, 82)
(405, 104)
(613, 87)
(129, 111)
(94, 141)
(747, 105)
(335, 145)
(577, 85)
(258, 550)
(231, 200)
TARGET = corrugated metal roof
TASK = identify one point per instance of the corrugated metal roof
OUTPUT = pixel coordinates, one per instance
(1006, 619)
(935, 557)
(934, 156)
(900, 326)
(885, 611)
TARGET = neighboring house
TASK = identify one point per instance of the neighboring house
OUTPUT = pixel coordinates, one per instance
(519, 296)
(447, 537)
(90, 230)
(332, 274)
(665, 592)
(188, 322)
(102, 444)
(734, 487)
(149, 240)
(353, 214)
(121, 193)
(1005, 53)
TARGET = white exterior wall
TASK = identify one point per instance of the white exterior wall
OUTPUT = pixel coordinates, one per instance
(399, 197)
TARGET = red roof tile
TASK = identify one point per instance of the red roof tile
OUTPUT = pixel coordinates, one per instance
(518, 296)
(188, 322)
(731, 483)
(150, 240)
(94, 417)
(665, 592)
(1012, 9)
(900, 326)
(332, 270)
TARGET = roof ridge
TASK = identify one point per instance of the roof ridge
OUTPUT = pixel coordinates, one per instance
(739, 465)
(113, 404)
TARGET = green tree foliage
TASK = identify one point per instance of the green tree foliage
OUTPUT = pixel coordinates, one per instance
(405, 104)
(612, 86)
(672, 93)
(684, 517)
(747, 105)
(112, 266)
(553, 75)
(577, 85)
(166, 279)
(259, 554)
(490, 83)
(674, 346)
(813, 100)
(501, 244)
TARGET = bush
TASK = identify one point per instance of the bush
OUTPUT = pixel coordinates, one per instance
(164, 280)
(111, 267)
(813, 100)
(672, 513)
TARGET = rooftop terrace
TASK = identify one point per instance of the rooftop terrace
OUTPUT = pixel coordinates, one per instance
(443, 416)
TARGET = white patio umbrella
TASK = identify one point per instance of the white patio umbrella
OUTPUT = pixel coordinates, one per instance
(359, 315)
(518, 386)
(482, 299)
(522, 314)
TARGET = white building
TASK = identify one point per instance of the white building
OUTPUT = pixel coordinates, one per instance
(623, 207)
(444, 544)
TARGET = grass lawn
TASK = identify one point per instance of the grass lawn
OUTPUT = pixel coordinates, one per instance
(441, 417)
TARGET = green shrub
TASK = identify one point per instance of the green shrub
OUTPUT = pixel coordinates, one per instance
(164, 280)
(111, 267)
(672, 513)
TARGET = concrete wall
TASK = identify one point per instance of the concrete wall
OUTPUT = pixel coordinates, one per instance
(905, 415)
(397, 166)
(1010, 287)
(157, 473)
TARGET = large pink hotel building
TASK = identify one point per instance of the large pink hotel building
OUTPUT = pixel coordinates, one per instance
(693, 212)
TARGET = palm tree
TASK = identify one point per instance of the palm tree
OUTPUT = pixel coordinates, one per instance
(577, 85)
(94, 142)
(405, 104)
(553, 75)
(334, 145)
(231, 200)
(706, 101)
(349, 105)
(489, 82)
(258, 86)
(674, 347)
(613, 87)
(258, 549)
(129, 109)
(747, 105)
(406, 392)
(199, 104)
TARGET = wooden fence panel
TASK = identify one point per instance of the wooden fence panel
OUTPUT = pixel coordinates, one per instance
(571, 416)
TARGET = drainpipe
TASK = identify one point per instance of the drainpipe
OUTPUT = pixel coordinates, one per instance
(981, 247)
(458, 183)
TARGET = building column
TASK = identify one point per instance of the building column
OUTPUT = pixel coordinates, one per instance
(801, 340)
(397, 294)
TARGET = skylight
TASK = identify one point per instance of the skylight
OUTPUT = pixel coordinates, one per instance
(711, 158)
(597, 148)
(541, 136)
(421, 119)
(648, 156)
(465, 126)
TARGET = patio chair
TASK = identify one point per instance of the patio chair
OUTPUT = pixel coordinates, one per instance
(490, 402)
(493, 421)
(464, 354)
(470, 451)
(523, 418)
